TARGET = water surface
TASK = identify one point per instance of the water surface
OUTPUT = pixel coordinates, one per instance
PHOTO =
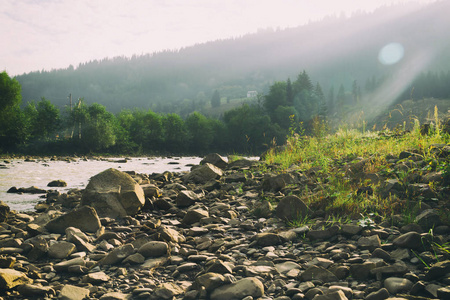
(39, 173)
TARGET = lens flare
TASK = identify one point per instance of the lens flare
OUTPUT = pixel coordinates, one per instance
(391, 54)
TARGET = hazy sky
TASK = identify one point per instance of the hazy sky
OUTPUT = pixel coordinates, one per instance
(48, 34)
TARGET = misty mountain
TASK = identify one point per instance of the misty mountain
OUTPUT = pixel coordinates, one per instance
(334, 51)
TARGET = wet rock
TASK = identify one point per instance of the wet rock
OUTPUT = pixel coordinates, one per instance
(395, 285)
(249, 286)
(291, 208)
(84, 218)
(153, 249)
(203, 174)
(113, 194)
(10, 278)
(57, 183)
(71, 292)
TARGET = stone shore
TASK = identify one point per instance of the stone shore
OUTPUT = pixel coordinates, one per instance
(212, 234)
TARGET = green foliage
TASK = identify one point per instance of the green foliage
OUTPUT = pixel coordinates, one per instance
(11, 117)
(215, 100)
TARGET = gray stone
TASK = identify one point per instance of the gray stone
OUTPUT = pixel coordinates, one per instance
(337, 295)
(323, 234)
(10, 278)
(428, 219)
(291, 208)
(115, 296)
(396, 284)
(113, 194)
(95, 278)
(71, 292)
(267, 239)
(238, 290)
(186, 198)
(273, 183)
(203, 174)
(117, 255)
(318, 273)
(168, 290)
(370, 243)
(151, 190)
(171, 235)
(216, 160)
(35, 291)
(4, 211)
(209, 281)
(64, 265)
(154, 249)
(84, 218)
(381, 294)
(410, 240)
(61, 249)
(194, 215)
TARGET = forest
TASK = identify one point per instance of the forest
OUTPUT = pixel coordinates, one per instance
(336, 51)
(300, 106)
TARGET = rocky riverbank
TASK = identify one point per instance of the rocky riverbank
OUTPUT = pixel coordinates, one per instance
(212, 234)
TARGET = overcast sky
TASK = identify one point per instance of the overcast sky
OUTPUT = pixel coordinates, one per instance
(51, 34)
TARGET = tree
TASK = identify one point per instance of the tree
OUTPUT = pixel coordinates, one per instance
(215, 100)
(275, 97)
(174, 133)
(48, 121)
(12, 128)
(98, 131)
(289, 93)
(200, 134)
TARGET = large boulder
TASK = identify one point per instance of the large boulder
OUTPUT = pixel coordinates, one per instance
(215, 159)
(250, 286)
(203, 174)
(4, 211)
(291, 208)
(84, 218)
(113, 194)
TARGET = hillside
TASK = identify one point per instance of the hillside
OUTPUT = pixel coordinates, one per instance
(334, 51)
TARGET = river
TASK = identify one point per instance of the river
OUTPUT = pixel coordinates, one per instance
(21, 173)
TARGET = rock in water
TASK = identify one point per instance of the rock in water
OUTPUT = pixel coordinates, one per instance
(84, 218)
(113, 194)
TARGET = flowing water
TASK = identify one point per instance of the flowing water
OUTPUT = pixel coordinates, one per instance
(39, 173)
